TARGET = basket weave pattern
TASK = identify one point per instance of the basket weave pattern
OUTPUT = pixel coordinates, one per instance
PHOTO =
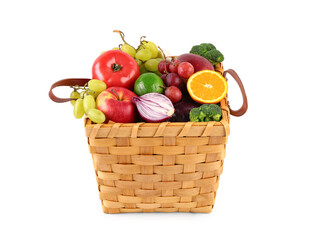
(158, 167)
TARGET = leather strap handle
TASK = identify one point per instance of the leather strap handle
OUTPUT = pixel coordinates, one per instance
(66, 82)
(244, 107)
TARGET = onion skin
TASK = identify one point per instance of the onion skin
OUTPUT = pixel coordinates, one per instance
(154, 107)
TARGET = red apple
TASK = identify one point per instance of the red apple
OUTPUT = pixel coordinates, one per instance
(116, 103)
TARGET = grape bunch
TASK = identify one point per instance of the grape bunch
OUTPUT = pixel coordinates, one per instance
(175, 74)
(85, 100)
(147, 54)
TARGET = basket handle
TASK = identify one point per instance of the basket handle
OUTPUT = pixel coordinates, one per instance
(66, 82)
(242, 110)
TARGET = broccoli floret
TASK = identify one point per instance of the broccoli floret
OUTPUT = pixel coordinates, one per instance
(202, 116)
(208, 119)
(214, 56)
(198, 49)
(217, 55)
(194, 115)
(209, 46)
(207, 55)
(217, 113)
(211, 112)
(206, 111)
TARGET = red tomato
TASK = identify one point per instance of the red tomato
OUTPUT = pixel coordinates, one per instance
(116, 68)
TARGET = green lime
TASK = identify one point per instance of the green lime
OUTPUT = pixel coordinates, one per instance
(148, 83)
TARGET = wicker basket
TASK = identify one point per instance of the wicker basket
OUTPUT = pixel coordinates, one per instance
(158, 167)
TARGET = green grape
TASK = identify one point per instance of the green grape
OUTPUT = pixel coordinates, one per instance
(95, 94)
(82, 94)
(74, 94)
(158, 73)
(140, 47)
(152, 65)
(128, 49)
(152, 47)
(141, 66)
(159, 59)
(143, 55)
(143, 69)
(114, 48)
(97, 85)
(139, 62)
(89, 92)
(78, 110)
(160, 55)
(96, 115)
(88, 103)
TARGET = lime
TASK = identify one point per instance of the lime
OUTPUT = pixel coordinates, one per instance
(148, 83)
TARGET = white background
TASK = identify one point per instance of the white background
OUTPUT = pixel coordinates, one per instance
(47, 181)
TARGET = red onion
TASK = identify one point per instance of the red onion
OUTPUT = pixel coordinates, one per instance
(154, 107)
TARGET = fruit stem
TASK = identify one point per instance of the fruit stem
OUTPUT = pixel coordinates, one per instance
(116, 94)
(141, 39)
(116, 67)
(75, 87)
(164, 58)
(141, 42)
(122, 35)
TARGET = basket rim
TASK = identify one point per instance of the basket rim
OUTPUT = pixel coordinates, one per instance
(225, 116)
(177, 129)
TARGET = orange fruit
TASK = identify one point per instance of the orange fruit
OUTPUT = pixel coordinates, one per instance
(207, 86)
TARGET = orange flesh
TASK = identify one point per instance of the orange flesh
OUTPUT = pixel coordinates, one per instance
(207, 87)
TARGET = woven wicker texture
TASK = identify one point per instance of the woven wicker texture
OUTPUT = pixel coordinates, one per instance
(158, 167)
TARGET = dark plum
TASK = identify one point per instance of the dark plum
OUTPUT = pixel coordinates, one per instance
(182, 110)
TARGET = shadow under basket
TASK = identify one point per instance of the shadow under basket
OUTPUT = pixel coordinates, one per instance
(158, 167)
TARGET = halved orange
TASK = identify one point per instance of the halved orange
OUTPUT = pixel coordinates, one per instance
(207, 86)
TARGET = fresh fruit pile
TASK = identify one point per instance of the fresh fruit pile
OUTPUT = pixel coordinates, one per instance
(142, 84)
